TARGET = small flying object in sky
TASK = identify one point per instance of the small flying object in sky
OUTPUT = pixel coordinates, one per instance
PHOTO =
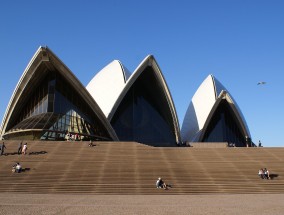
(261, 83)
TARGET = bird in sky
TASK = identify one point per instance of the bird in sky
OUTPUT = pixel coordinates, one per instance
(261, 82)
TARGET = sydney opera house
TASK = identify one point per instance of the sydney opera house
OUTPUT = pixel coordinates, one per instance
(49, 102)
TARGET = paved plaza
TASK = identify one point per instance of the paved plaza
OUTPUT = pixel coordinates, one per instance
(141, 204)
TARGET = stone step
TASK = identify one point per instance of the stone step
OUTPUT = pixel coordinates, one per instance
(133, 168)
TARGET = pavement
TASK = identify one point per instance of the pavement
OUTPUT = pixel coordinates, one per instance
(15, 203)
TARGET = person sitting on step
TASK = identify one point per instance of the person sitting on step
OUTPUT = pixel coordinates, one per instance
(261, 173)
(161, 184)
(91, 144)
(17, 168)
(266, 173)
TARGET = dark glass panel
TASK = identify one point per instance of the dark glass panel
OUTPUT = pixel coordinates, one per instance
(224, 127)
(55, 107)
(74, 110)
(144, 114)
(37, 101)
(51, 94)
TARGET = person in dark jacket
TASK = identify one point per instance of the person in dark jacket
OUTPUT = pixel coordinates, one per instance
(3, 147)
(20, 148)
(161, 184)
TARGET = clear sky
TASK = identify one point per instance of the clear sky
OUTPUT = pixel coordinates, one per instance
(240, 42)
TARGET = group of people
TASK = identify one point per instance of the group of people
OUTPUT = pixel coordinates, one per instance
(72, 137)
(263, 173)
(22, 149)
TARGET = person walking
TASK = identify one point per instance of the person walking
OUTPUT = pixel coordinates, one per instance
(3, 147)
(20, 148)
(24, 149)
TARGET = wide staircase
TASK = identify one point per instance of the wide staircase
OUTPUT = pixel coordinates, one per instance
(133, 168)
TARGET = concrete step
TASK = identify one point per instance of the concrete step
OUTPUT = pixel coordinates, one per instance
(132, 168)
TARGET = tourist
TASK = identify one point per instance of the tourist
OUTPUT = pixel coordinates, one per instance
(161, 184)
(24, 149)
(14, 167)
(17, 168)
(3, 147)
(91, 143)
(20, 148)
(261, 174)
(67, 136)
(266, 173)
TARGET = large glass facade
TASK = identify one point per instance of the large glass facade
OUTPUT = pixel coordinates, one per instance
(224, 127)
(53, 110)
(144, 114)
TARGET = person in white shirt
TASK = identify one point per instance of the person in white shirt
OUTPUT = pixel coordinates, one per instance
(17, 168)
(261, 173)
(25, 148)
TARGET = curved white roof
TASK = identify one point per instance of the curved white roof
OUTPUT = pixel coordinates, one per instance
(202, 106)
(107, 84)
(32, 66)
(199, 109)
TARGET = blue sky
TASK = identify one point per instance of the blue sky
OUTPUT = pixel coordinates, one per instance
(240, 42)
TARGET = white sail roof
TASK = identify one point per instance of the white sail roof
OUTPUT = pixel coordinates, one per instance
(107, 84)
(201, 107)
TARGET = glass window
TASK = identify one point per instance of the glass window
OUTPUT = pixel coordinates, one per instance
(144, 114)
(56, 107)
(224, 127)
